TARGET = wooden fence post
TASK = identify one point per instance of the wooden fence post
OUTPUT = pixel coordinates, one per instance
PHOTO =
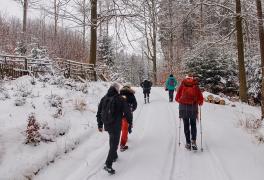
(69, 64)
(26, 66)
(94, 73)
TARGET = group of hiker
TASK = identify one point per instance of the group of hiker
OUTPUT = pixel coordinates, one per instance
(115, 112)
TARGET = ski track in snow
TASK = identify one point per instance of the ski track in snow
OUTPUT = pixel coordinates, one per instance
(153, 152)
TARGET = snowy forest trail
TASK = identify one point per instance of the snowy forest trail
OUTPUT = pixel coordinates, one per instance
(154, 153)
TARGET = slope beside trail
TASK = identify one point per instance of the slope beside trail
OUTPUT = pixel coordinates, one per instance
(154, 153)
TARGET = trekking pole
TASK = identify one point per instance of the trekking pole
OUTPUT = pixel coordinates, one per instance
(180, 133)
(201, 130)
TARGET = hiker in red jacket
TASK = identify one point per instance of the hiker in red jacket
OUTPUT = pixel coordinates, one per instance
(189, 96)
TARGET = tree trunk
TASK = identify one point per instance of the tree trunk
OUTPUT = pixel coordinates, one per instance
(93, 43)
(55, 18)
(154, 41)
(261, 40)
(100, 12)
(240, 49)
(84, 25)
(25, 9)
(171, 37)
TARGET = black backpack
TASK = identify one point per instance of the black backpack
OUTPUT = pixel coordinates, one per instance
(108, 110)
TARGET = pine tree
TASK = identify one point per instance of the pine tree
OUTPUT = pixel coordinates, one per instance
(216, 71)
(106, 51)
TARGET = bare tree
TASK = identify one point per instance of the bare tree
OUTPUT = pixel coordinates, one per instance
(56, 17)
(25, 4)
(150, 32)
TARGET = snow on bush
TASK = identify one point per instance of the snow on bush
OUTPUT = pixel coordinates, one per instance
(80, 104)
(45, 132)
(3, 92)
(56, 80)
(33, 81)
(23, 89)
(260, 138)
(45, 78)
(58, 113)
(32, 132)
(249, 122)
(20, 101)
(83, 87)
(49, 131)
(55, 100)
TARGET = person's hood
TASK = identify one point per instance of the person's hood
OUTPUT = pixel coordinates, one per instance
(112, 91)
(127, 89)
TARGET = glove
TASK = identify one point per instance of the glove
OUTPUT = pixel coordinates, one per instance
(130, 129)
(100, 129)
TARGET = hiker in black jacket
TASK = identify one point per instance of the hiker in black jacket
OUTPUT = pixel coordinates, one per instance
(119, 108)
(146, 85)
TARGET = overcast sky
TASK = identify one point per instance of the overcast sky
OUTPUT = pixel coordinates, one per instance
(12, 8)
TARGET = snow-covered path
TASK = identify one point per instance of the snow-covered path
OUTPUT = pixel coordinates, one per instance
(154, 154)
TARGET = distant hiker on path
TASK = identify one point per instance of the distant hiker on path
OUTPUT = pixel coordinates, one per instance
(112, 108)
(170, 85)
(189, 96)
(128, 94)
(146, 85)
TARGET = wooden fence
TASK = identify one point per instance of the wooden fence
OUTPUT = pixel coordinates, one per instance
(16, 66)
(75, 70)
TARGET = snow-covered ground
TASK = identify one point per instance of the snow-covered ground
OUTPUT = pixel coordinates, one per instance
(230, 151)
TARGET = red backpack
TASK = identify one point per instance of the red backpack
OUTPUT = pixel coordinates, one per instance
(189, 92)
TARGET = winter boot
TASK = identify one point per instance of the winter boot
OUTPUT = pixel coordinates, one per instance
(194, 145)
(148, 99)
(123, 148)
(188, 146)
(145, 100)
(110, 170)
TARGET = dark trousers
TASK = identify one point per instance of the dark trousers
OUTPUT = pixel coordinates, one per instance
(113, 142)
(171, 92)
(187, 123)
(146, 95)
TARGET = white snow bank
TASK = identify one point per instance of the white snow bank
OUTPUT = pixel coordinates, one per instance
(62, 133)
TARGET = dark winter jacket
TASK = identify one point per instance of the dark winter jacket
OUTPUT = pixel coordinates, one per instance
(146, 85)
(130, 97)
(121, 109)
